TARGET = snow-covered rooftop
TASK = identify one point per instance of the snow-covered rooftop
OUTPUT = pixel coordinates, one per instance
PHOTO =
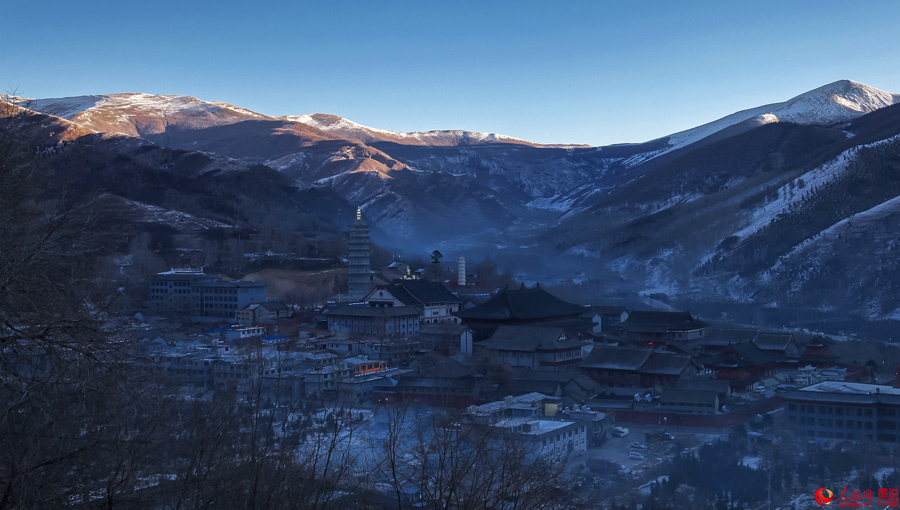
(852, 387)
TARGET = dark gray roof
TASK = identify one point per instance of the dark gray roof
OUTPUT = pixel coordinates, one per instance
(644, 320)
(444, 368)
(411, 381)
(617, 358)
(371, 311)
(728, 336)
(682, 396)
(275, 306)
(717, 385)
(745, 354)
(523, 303)
(527, 339)
(749, 354)
(525, 386)
(773, 341)
(665, 364)
(423, 291)
(561, 377)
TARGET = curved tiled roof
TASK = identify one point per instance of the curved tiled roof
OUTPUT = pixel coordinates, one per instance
(522, 304)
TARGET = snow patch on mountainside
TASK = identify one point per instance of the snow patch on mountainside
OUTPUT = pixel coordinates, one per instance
(551, 203)
(349, 129)
(793, 192)
(809, 260)
(874, 215)
(132, 103)
(176, 219)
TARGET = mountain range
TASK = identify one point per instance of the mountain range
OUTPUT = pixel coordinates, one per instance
(788, 204)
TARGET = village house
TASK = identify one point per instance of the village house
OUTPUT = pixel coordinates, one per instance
(635, 367)
(782, 345)
(607, 319)
(524, 307)
(648, 328)
(377, 321)
(439, 381)
(435, 303)
(203, 297)
(267, 312)
(717, 338)
(535, 348)
(527, 418)
(689, 401)
(570, 387)
(616, 366)
(447, 339)
(743, 365)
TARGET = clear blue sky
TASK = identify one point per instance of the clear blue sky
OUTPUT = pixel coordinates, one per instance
(553, 72)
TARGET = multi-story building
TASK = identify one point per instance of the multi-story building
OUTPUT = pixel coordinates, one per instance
(193, 293)
(635, 367)
(220, 299)
(650, 328)
(526, 418)
(533, 348)
(171, 291)
(845, 410)
(269, 312)
(436, 304)
(374, 320)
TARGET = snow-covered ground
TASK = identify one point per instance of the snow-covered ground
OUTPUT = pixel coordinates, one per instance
(751, 462)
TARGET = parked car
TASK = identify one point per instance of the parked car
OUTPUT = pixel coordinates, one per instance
(619, 432)
(638, 446)
(636, 456)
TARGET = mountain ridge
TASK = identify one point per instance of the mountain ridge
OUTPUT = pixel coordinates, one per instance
(673, 215)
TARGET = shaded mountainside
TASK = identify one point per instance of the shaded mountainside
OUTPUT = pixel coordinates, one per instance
(783, 214)
(733, 209)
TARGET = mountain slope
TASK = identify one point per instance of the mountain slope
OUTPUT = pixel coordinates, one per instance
(343, 128)
(741, 218)
(727, 210)
(839, 101)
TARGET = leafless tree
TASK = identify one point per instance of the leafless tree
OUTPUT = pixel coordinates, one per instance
(61, 380)
(442, 460)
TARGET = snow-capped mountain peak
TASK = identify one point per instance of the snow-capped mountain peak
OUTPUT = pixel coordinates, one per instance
(345, 128)
(139, 114)
(839, 101)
